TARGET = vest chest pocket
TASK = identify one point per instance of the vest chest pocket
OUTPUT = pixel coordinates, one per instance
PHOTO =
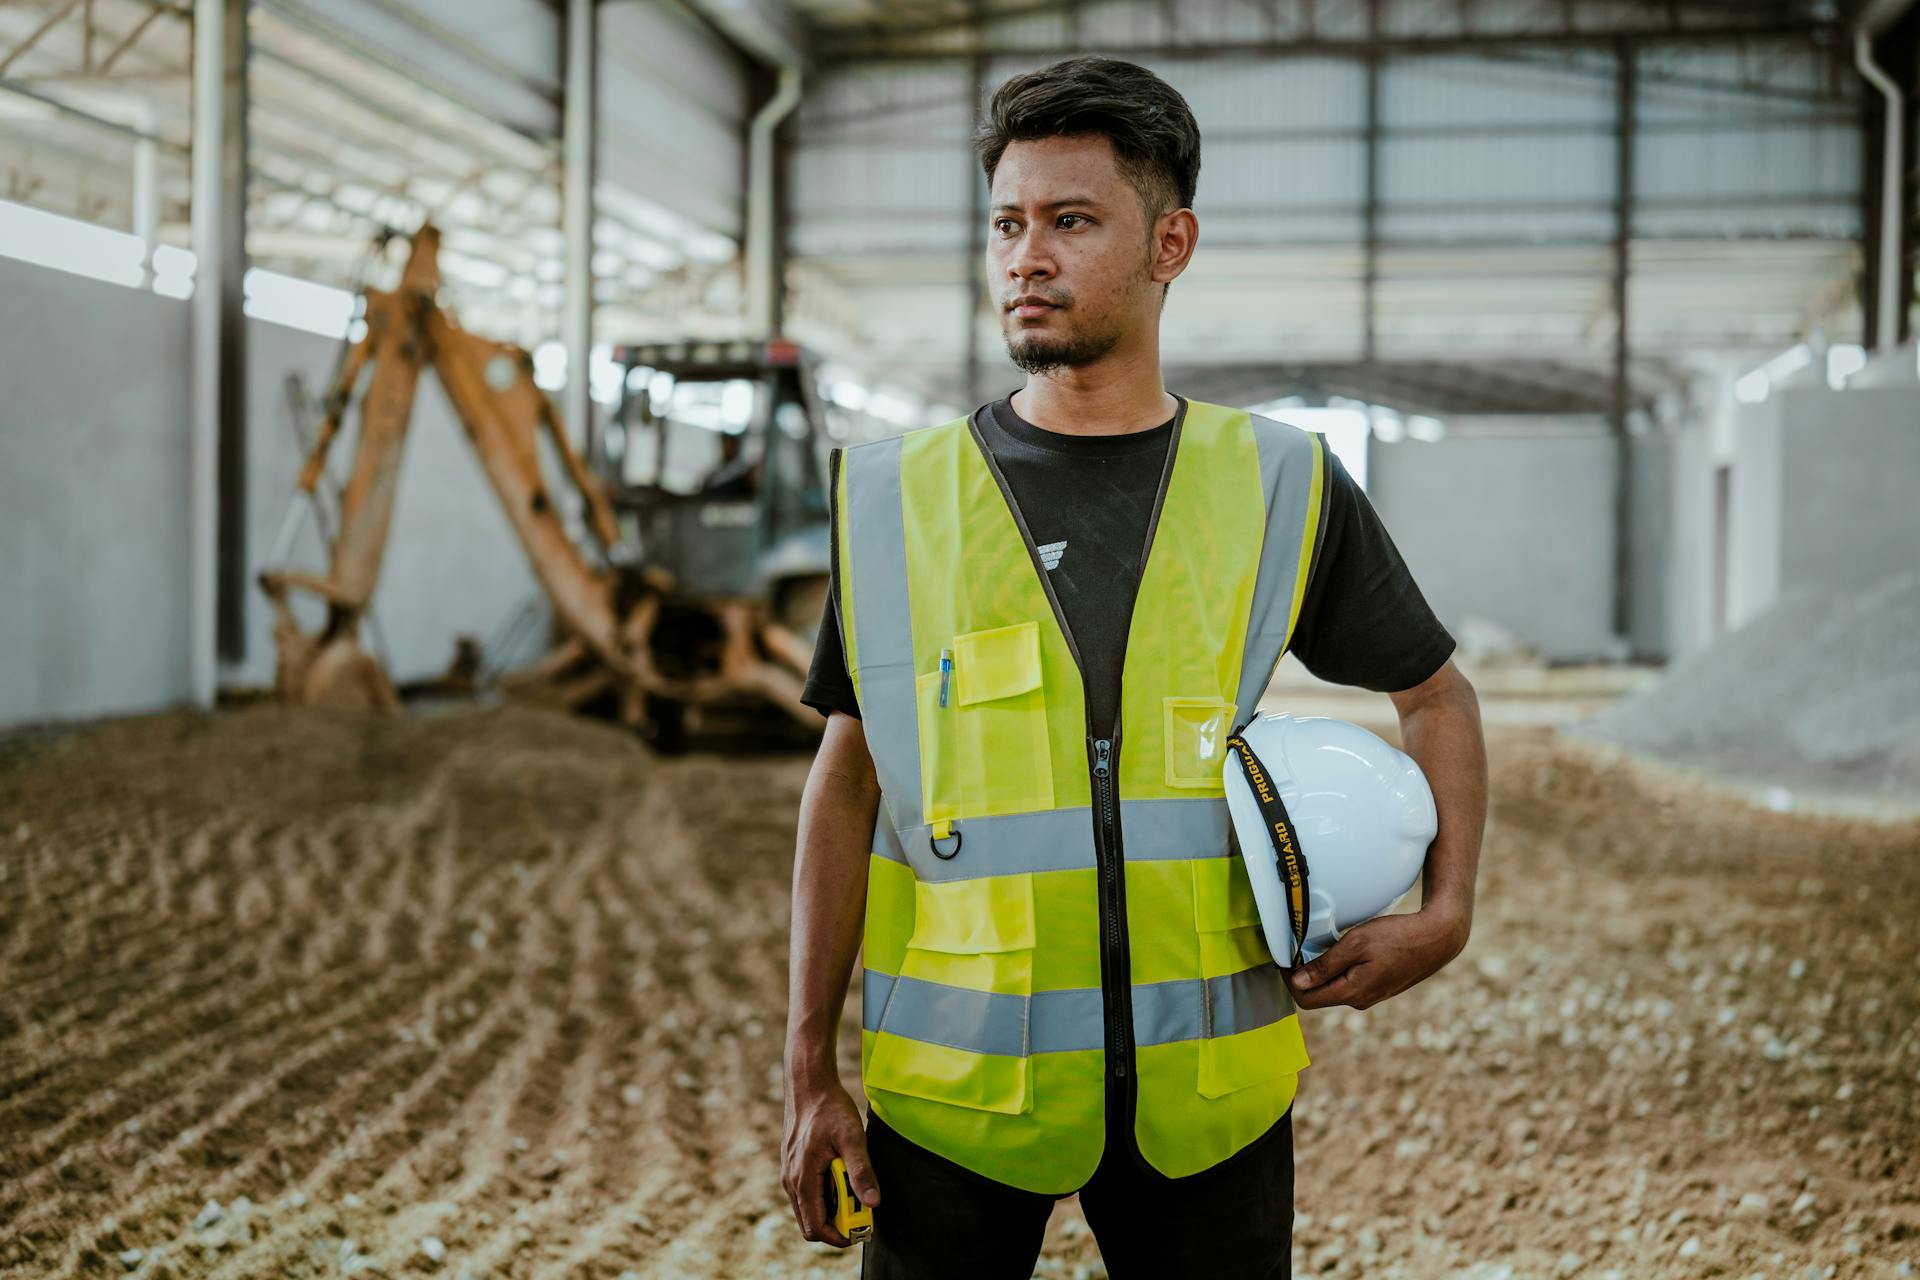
(955, 1026)
(986, 750)
(1196, 732)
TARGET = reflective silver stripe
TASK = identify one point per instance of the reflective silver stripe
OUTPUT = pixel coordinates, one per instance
(1070, 1019)
(1062, 839)
(886, 841)
(1170, 828)
(883, 623)
(1286, 477)
(1217, 1007)
(1044, 840)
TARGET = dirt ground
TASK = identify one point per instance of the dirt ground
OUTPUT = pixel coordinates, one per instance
(291, 994)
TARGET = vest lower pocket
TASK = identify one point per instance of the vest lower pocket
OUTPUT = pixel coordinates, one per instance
(1231, 1063)
(986, 751)
(1226, 919)
(1250, 1032)
(955, 1026)
(1195, 731)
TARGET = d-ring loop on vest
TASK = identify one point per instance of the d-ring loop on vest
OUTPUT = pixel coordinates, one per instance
(933, 843)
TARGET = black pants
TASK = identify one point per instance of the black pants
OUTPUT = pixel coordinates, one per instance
(937, 1220)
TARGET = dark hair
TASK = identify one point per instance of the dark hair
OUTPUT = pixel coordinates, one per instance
(1149, 123)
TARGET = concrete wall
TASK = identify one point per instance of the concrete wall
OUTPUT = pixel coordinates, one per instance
(93, 506)
(93, 474)
(1509, 520)
(1850, 463)
(1649, 565)
(1819, 497)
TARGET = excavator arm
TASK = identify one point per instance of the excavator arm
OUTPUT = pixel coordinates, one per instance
(491, 388)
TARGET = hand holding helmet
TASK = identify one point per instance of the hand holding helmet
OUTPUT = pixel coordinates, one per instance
(1333, 823)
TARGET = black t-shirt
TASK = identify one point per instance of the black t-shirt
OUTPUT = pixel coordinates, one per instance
(1087, 501)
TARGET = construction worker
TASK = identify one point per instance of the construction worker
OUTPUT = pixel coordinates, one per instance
(1047, 618)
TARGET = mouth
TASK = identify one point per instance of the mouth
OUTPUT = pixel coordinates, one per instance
(1027, 309)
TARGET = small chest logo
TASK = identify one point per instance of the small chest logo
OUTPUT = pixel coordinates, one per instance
(1050, 553)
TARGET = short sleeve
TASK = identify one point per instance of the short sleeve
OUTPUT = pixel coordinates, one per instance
(1364, 621)
(829, 685)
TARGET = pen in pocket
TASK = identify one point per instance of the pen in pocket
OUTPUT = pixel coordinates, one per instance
(946, 674)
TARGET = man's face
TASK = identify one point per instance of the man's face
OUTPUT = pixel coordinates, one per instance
(1069, 261)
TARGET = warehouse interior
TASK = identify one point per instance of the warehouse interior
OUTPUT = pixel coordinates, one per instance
(1609, 305)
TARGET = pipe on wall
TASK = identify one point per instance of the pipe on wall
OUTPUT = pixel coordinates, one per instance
(1892, 190)
(763, 280)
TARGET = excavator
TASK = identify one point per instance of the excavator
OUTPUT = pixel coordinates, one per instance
(630, 634)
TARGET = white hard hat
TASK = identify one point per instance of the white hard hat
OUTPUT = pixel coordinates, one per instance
(1333, 824)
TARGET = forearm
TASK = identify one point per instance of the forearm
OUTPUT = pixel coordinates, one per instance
(829, 897)
(1442, 733)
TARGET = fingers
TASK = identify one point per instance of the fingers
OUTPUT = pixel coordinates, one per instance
(860, 1169)
(1336, 978)
(1340, 957)
(810, 1193)
(1342, 988)
(808, 1181)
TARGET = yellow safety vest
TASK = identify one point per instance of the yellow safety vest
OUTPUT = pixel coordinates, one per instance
(1057, 922)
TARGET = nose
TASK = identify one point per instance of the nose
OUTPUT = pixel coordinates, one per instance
(1027, 257)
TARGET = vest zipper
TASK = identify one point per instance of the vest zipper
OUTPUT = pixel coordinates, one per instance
(1116, 965)
(1113, 895)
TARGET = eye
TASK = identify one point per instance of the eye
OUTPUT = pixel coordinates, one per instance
(1071, 217)
(1001, 225)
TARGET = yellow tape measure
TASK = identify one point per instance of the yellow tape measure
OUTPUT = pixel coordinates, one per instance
(851, 1216)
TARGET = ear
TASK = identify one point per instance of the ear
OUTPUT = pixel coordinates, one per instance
(1174, 236)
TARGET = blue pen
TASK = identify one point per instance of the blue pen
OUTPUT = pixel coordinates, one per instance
(946, 673)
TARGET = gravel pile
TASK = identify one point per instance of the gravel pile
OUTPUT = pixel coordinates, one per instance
(1823, 687)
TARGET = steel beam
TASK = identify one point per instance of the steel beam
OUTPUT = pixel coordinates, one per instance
(1370, 207)
(576, 220)
(1321, 45)
(1622, 347)
(217, 628)
(976, 243)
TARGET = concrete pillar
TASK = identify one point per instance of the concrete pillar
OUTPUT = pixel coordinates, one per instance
(576, 218)
(217, 583)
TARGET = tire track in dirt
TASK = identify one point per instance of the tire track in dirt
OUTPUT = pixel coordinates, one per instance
(222, 998)
(350, 1049)
(24, 1177)
(172, 1202)
(400, 1140)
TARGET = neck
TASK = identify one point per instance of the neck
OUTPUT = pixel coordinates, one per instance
(1118, 394)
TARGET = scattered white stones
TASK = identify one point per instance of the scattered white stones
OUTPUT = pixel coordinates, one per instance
(1571, 1264)
(209, 1214)
(1691, 1247)
(130, 1258)
(353, 1262)
(1804, 1203)
(435, 1249)
(632, 1095)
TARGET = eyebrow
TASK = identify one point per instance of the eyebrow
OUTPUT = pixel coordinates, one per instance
(1056, 204)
